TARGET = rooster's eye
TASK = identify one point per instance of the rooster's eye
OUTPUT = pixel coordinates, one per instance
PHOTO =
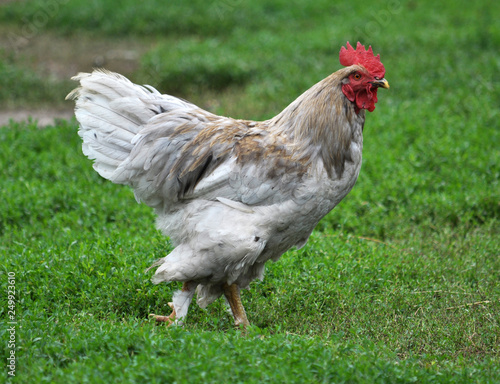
(357, 76)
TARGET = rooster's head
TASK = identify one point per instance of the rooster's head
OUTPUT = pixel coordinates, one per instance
(360, 87)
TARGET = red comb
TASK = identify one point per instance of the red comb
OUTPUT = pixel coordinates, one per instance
(361, 56)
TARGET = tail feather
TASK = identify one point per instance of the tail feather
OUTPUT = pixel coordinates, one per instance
(111, 111)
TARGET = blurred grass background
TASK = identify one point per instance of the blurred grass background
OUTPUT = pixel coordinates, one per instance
(400, 283)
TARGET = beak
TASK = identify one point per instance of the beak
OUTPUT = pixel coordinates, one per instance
(381, 83)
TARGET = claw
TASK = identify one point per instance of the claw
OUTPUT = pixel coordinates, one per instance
(185, 297)
(170, 319)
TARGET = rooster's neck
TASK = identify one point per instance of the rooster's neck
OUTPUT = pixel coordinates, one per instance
(322, 124)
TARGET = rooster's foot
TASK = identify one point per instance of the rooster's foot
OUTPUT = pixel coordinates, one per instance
(170, 319)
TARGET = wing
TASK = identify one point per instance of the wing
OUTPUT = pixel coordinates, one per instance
(185, 155)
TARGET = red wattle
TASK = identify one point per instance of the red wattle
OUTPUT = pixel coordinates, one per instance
(366, 98)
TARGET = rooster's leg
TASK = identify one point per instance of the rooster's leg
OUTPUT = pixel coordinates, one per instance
(180, 304)
(232, 294)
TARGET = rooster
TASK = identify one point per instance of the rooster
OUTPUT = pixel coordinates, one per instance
(231, 194)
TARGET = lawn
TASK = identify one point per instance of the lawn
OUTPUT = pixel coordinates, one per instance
(400, 283)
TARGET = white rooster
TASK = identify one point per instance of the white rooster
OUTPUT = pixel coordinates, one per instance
(231, 194)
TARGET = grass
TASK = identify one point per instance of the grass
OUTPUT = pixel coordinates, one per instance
(398, 284)
(20, 85)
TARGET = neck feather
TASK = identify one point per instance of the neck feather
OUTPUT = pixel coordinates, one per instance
(322, 123)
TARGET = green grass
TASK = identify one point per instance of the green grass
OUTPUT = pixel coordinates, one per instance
(20, 86)
(399, 284)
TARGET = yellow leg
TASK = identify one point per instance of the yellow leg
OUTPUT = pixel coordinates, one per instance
(232, 293)
(165, 319)
(170, 318)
